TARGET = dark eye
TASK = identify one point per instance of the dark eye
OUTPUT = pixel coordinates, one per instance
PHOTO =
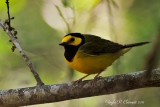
(72, 39)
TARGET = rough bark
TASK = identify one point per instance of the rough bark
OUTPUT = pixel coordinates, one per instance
(67, 91)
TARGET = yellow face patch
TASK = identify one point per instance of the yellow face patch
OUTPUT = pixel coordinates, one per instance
(76, 41)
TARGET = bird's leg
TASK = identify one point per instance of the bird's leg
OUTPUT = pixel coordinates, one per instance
(96, 78)
(79, 80)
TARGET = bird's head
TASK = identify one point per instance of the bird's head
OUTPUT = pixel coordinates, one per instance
(72, 39)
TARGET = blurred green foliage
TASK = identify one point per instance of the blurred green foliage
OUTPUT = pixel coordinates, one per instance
(84, 4)
(134, 21)
(15, 5)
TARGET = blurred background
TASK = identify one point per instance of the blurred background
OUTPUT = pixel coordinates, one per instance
(41, 24)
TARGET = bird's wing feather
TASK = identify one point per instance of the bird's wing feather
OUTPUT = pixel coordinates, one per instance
(95, 45)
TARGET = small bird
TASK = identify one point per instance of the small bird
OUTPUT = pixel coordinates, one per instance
(91, 54)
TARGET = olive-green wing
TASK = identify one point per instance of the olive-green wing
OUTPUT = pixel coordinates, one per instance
(95, 45)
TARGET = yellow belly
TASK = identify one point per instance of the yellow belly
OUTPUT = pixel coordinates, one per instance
(91, 64)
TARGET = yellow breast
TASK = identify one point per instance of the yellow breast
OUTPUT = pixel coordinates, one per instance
(91, 64)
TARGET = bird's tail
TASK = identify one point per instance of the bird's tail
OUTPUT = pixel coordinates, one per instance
(134, 44)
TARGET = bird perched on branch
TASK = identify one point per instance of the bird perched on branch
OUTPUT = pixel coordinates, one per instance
(91, 54)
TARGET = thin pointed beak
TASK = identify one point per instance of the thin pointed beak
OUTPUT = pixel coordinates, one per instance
(63, 44)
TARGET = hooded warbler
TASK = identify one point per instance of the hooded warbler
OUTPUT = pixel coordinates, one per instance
(91, 54)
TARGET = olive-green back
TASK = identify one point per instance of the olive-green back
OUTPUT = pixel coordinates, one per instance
(95, 45)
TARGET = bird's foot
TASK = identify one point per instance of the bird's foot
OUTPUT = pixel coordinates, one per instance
(80, 80)
(99, 77)
(95, 79)
(77, 81)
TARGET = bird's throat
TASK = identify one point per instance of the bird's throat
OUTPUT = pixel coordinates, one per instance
(70, 52)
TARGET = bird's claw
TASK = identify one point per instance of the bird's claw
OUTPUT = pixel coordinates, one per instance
(77, 81)
(95, 79)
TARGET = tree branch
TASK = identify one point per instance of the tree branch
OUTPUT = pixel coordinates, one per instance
(61, 92)
(25, 57)
(63, 18)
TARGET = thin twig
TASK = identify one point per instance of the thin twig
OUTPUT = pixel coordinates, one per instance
(151, 61)
(114, 4)
(10, 28)
(65, 21)
(71, 72)
(111, 21)
(9, 19)
(74, 15)
(25, 57)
